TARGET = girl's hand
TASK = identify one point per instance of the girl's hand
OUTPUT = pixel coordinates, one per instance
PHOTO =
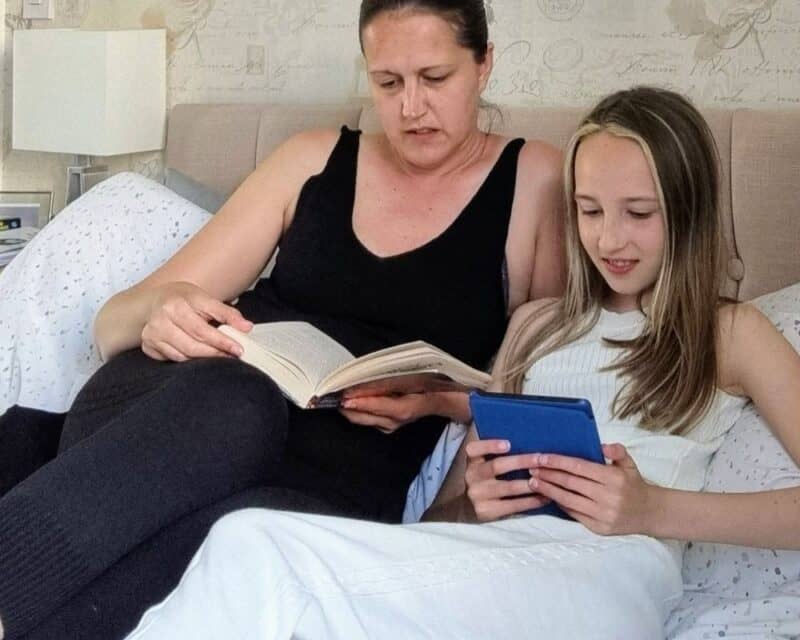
(493, 498)
(388, 413)
(608, 499)
(178, 326)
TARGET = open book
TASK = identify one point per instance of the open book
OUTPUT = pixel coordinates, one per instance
(312, 369)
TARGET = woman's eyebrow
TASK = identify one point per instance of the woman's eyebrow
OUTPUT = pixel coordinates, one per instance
(648, 199)
(435, 67)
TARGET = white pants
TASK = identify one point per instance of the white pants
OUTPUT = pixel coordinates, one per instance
(271, 575)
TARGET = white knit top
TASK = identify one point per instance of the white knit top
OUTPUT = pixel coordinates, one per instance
(678, 462)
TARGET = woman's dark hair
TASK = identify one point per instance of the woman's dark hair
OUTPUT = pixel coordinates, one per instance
(468, 18)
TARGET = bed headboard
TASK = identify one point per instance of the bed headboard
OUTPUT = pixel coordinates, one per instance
(220, 144)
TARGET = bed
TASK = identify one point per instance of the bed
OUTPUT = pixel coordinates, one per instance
(128, 225)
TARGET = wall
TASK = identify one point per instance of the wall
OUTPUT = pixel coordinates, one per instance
(720, 52)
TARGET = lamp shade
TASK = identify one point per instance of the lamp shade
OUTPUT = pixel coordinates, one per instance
(93, 93)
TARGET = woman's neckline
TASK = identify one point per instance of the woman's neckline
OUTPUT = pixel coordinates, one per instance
(504, 149)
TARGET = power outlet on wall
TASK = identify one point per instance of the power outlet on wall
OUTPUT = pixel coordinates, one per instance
(38, 9)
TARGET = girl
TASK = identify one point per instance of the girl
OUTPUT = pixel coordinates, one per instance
(667, 365)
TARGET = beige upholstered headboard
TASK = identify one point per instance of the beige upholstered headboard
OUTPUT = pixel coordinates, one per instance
(220, 144)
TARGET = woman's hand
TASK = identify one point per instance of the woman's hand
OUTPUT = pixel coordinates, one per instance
(389, 412)
(608, 499)
(493, 498)
(178, 325)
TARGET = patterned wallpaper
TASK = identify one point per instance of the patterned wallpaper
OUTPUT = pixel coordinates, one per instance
(720, 52)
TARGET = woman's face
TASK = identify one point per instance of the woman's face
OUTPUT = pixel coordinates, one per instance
(620, 222)
(424, 84)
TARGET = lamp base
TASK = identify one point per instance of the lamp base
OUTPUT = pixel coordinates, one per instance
(82, 176)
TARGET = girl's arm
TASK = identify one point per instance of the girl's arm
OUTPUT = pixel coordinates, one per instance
(755, 360)
(452, 502)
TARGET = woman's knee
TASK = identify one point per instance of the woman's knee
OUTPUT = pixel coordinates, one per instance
(202, 401)
(222, 404)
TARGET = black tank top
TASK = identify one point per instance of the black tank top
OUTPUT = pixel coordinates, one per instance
(449, 292)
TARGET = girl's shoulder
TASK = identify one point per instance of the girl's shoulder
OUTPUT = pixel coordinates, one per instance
(744, 334)
(738, 321)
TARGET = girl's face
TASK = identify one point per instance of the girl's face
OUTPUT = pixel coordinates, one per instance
(425, 85)
(620, 222)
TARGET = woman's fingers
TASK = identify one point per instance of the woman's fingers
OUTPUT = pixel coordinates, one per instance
(179, 326)
(226, 314)
(178, 345)
(194, 317)
(399, 409)
(386, 425)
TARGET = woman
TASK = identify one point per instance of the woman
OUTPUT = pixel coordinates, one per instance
(667, 365)
(372, 233)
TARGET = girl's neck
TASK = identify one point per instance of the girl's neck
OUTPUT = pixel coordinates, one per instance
(617, 303)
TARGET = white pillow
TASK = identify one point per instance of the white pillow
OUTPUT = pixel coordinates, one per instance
(105, 241)
(741, 591)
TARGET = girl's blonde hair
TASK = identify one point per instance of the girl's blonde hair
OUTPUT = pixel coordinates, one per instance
(670, 370)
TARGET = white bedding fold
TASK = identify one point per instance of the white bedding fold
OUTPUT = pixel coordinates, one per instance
(271, 575)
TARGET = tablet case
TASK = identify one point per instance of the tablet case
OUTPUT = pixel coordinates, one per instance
(538, 424)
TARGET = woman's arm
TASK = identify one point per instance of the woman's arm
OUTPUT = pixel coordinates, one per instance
(535, 245)
(219, 262)
(389, 413)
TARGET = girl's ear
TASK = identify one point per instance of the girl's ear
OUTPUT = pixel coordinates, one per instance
(485, 67)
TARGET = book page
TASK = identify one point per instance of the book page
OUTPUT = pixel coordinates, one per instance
(315, 353)
(426, 366)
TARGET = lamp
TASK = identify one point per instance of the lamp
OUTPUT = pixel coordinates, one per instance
(89, 93)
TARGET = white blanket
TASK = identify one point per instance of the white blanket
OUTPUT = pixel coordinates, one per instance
(271, 575)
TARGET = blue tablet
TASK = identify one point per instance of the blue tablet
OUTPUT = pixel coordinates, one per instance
(538, 424)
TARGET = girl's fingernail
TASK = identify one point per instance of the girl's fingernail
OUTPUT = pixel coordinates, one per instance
(505, 445)
(543, 459)
(533, 483)
(348, 404)
(536, 458)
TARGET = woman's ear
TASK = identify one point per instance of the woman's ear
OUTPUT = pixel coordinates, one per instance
(485, 67)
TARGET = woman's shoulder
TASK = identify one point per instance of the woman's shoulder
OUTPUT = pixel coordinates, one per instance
(542, 159)
(537, 155)
(306, 151)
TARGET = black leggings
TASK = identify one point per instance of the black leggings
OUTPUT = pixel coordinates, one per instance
(151, 454)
